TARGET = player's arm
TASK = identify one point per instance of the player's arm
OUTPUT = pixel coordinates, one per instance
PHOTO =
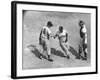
(51, 35)
(40, 37)
(55, 35)
(66, 37)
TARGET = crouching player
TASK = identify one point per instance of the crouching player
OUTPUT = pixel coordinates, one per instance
(63, 41)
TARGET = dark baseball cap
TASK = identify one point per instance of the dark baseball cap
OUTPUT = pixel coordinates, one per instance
(49, 23)
(81, 22)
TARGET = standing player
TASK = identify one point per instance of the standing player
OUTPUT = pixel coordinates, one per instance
(44, 39)
(83, 39)
(63, 40)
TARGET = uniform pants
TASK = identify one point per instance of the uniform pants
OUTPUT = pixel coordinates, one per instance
(83, 47)
(46, 46)
(65, 47)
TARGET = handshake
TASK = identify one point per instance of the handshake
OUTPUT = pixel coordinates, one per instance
(53, 36)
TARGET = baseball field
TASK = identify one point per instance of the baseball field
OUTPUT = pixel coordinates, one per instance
(33, 21)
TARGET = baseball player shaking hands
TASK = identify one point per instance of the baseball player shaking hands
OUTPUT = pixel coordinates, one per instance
(63, 40)
(44, 39)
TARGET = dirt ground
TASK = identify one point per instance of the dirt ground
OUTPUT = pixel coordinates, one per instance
(33, 21)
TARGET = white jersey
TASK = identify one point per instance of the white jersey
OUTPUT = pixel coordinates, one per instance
(84, 29)
(45, 32)
(62, 36)
(85, 32)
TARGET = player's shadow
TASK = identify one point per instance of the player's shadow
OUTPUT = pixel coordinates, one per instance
(74, 52)
(61, 54)
(36, 52)
(57, 52)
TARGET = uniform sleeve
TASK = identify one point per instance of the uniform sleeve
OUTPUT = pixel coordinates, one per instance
(40, 37)
(49, 32)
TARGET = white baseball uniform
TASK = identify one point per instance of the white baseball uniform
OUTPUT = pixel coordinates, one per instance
(64, 45)
(45, 37)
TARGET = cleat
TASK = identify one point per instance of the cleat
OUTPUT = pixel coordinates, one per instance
(68, 57)
(40, 57)
(49, 59)
(84, 59)
(78, 58)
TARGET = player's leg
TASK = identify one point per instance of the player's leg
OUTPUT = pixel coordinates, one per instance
(67, 48)
(80, 48)
(85, 50)
(48, 50)
(85, 47)
(43, 47)
(63, 46)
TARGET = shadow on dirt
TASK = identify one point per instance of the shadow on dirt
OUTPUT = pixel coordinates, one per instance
(74, 52)
(37, 53)
(61, 54)
(57, 52)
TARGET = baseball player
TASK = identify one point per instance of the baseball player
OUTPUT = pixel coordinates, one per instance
(44, 39)
(83, 39)
(63, 40)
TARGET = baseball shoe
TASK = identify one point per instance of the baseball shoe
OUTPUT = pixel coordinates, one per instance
(49, 59)
(40, 57)
(84, 58)
(67, 56)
